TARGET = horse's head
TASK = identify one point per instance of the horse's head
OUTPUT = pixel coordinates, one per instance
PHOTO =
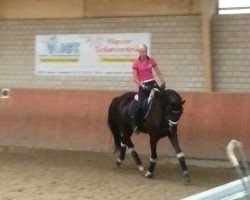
(172, 105)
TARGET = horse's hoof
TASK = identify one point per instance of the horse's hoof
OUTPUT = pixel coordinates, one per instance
(149, 174)
(185, 178)
(118, 162)
(141, 168)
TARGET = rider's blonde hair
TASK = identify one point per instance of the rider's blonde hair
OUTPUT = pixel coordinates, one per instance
(142, 46)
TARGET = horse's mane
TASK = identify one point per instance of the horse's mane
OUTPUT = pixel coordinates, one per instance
(172, 95)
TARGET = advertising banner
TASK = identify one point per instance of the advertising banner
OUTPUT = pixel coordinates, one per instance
(88, 54)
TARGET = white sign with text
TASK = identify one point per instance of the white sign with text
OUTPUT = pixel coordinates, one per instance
(88, 54)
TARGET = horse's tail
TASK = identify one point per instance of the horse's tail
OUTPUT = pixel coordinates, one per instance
(113, 126)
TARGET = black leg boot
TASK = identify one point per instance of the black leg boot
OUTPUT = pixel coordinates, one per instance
(132, 113)
(134, 126)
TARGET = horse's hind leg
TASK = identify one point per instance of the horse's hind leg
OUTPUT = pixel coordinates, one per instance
(134, 154)
(122, 153)
(180, 156)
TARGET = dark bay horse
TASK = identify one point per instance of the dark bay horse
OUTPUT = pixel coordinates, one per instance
(162, 120)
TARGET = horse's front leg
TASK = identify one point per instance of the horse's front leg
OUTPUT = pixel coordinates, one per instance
(153, 158)
(180, 156)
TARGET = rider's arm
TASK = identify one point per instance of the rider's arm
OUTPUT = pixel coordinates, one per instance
(135, 78)
(158, 72)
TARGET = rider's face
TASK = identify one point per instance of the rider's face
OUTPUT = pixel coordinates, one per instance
(143, 53)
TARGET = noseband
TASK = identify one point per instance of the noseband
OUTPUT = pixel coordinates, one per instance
(173, 111)
(171, 123)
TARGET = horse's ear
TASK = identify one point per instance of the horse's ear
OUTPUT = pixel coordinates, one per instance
(182, 103)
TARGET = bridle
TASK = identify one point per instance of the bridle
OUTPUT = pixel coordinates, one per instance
(172, 124)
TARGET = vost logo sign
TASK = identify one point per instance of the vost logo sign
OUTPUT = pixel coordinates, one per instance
(57, 47)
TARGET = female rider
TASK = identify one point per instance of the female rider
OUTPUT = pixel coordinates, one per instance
(143, 77)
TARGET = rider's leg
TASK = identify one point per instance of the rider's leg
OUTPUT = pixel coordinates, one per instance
(134, 107)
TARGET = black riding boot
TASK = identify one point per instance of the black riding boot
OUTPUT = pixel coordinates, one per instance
(133, 113)
(134, 126)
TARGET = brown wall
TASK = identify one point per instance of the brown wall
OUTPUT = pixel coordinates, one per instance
(209, 9)
(141, 7)
(33, 9)
(76, 120)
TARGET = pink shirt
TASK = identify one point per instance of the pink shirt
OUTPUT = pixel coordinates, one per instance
(144, 70)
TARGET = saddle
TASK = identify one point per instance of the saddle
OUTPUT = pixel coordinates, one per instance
(147, 103)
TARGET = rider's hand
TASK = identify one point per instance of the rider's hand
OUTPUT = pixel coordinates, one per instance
(163, 86)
